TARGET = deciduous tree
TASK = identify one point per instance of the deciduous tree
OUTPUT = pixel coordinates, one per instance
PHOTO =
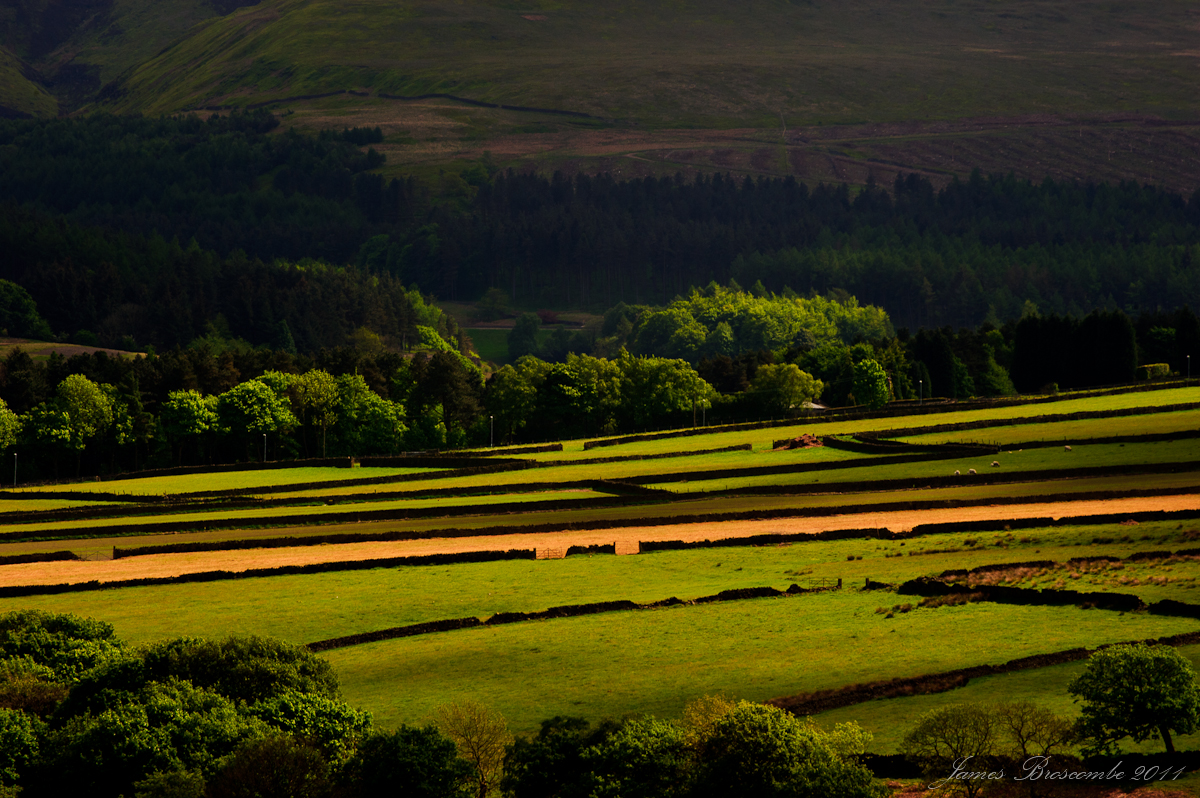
(1136, 691)
(481, 736)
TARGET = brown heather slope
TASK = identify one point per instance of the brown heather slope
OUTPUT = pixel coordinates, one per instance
(1098, 147)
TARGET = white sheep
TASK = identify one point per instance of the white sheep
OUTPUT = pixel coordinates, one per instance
(995, 464)
(957, 473)
(971, 471)
(1066, 448)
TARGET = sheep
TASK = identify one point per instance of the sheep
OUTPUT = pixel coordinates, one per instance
(971, 471)
(995, 464)
(1066, 448)
(957, 473)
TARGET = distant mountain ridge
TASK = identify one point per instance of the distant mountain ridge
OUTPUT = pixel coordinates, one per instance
(698, 62)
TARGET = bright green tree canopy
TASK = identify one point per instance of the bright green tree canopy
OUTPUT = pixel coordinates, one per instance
(1136, 691)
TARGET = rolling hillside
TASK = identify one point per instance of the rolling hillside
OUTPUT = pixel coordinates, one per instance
(71, 48)
(700, 63)
(849, 92)
(20, 96)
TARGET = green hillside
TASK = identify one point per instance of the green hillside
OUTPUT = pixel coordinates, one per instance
(694, 63)
(18, 94)
(77, 46)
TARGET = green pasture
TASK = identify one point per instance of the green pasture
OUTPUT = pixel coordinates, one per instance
(651, 661)
(1027, 460)
(1029, 413)
(890, 719)
(315, 513)
(320, 606)
(226, 480)
(24, 505)
(1042, 458)
(320, 523)
(1068, 432)
(656, 661)
(568, 472)
(394, 597)
(1092, 456)
(491, 343)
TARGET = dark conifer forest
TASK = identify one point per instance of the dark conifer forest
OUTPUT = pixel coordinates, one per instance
(235, 251)
(246, 190)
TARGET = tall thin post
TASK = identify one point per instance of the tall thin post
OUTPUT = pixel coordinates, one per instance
(920, 391)
(492, 431)
(264, 447)
(14, 469)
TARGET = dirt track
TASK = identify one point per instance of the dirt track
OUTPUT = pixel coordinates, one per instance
(626, 539)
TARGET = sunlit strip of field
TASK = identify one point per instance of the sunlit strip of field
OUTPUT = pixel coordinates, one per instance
(761, 438)
(305, 608)
(224, 480)
(315, 512)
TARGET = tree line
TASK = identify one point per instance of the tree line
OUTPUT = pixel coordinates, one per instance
(121, 290)
(734, 356)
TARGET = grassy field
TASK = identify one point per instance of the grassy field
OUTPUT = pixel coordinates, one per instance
(316, 521)
(1065, 431)
(655, 661)
(644, 661)
(762, 438)
(889, 719)
(491, 344)
(314, 513)
(360, 601)
(1097, 456)
(225, 480)
(23, 505)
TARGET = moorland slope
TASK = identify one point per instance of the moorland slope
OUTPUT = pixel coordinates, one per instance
(701, 62)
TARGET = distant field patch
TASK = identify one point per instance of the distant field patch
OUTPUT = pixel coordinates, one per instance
(24, 505)
(227, 480)
(1069, 431)
(315, 513)
(1031, 412)
(1011, 462)
(491, 343)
